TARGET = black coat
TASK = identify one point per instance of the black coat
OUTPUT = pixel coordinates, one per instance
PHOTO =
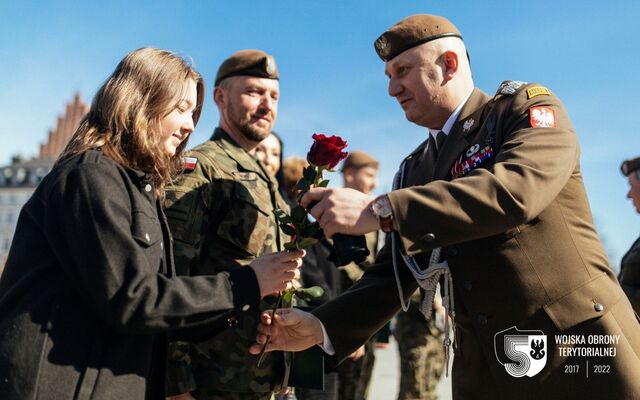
(89, 291)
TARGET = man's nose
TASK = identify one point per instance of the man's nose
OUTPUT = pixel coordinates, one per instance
(394, 88)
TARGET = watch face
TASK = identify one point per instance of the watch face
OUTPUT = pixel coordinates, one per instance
(381, 207)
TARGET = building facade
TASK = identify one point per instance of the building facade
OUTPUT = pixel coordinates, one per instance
(19, 179)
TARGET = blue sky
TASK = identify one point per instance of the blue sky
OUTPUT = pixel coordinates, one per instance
(331, 79)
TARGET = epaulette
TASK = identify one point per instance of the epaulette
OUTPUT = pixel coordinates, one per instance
(509, 87)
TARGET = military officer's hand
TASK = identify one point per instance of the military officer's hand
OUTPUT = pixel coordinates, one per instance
(342, 211)
(275, 271)
(292, 330)
(358, 353)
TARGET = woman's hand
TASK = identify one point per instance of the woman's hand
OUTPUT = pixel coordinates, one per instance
(275, 271)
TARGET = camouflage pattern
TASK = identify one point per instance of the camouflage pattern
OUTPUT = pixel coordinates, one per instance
(221, 216)
(421, 355)
(355, 375)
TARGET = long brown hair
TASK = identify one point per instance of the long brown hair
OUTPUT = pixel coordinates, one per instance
(125, 113)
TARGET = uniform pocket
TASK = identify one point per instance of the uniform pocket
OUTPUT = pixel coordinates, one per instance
(145, 229)
(592, 299)
(185, 210)
(248, 225)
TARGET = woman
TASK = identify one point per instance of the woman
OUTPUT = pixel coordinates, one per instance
(269, 153)
(89, 291)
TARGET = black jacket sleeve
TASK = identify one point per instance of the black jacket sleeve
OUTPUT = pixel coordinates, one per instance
(89, 223)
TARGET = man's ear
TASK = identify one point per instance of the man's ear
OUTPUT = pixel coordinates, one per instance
(219, 96)
(451, 63)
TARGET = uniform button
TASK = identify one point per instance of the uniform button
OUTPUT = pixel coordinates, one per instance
(467, 286)
(452, 251)
(161, 245)
(598, 307)
(147, 187)
(246, 307)
(482, 319)
(429, 237)
(146, 236)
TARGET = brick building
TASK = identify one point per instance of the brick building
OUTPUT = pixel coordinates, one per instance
(19, 179)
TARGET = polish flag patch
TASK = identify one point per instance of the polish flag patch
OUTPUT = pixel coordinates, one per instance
(542, 117)
(189, 163)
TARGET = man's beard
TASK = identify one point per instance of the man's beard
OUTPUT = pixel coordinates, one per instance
(250, 131)
(253, 133)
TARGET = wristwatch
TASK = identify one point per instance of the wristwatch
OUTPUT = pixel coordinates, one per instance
(381, 208)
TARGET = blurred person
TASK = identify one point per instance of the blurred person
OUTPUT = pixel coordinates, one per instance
(89, 293)
(269, 153)
(629, 275)
(316, 270)
(359, 172)
(220, 210)
(421, 349)
(492, 204)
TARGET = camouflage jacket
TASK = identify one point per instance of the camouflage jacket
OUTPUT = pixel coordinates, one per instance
(221, 215)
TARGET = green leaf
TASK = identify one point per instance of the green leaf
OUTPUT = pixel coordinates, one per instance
(311, 293)
(287, 297)
(304, 184)
(299, 215)
(306, 242)
(288, 229)
(291, 246)
(309, 173)
(323, 183)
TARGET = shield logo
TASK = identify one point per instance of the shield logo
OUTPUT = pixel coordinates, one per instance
(522, 353)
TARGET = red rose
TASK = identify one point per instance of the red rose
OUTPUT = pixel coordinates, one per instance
(326, 151)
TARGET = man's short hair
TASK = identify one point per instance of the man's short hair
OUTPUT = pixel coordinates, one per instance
(629, 166)
(358, 159)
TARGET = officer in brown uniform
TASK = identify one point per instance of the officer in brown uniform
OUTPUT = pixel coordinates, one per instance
(494, 204)
(630, 265)
(221, 215)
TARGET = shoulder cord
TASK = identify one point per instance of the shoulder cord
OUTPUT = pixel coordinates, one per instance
(427, 279)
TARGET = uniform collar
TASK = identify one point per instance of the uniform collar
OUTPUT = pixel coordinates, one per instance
(446, 128)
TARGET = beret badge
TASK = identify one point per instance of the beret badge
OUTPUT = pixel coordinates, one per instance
(270, 65)
(383, 47)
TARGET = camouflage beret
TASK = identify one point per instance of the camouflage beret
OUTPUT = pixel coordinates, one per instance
(628, 166)
(248, 62)
(411, 32)
(358, 159)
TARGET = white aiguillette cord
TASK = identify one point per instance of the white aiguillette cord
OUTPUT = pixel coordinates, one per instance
(427, 280)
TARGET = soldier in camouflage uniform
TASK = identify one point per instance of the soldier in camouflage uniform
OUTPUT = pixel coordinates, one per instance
(421, 355)
(221, 215)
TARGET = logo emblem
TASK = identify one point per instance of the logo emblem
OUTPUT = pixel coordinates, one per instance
(542, 117)
(468, 124)
(473, 150)
(270, 65)
(522, 353)
(383, 47)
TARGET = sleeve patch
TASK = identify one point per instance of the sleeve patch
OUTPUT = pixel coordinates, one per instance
(537, 91)
(542, 117)
(189, 163)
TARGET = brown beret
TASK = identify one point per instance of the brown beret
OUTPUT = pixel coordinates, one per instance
(411, 32)
(358, 159)
(248, 62)
(628, 166)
